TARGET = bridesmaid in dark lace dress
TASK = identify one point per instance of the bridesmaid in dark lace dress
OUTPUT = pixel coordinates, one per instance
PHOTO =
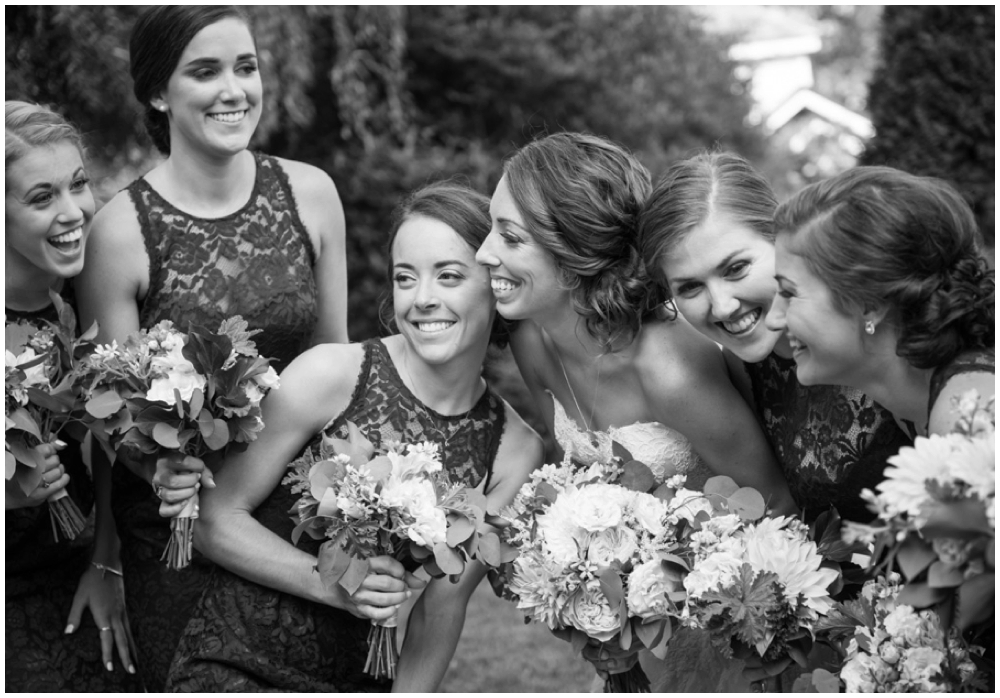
(48, 582)
(212, 231)
(707, 234)
(266, 621)
(882, 286)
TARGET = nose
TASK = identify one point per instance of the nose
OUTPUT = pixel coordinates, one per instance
(724, 304)
(775, 318)
(232, 91)
(69, 210)
(425, 297)
(485, 255)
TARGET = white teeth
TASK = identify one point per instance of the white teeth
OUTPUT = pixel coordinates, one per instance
(229, 117)
(66, 238)
(743, 324)
(502, 285)
(795, 344)
(433, 326)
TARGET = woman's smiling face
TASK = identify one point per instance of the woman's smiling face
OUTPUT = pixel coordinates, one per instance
(524, 275)
(721, 276)
(442, 301)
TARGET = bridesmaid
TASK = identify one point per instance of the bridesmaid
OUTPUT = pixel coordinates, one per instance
(266, 621)
(214, 230)
(48, 214)
(707, 236)
(882, 286)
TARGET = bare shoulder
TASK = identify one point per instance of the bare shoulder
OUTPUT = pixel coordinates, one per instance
(673, 356)
(943, 413)
(309, 183)
(118, 222)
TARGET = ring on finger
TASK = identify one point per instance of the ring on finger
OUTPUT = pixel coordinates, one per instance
(159, 491)
(45, 485)
(105, 630)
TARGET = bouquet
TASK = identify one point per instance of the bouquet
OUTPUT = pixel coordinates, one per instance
(40, 398)
(398, 503)
(598, 556)
(936, 518)
(758, 586)
(895, 648)
(197, 393)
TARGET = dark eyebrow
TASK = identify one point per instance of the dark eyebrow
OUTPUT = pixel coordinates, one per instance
(211, 61)
(437, 265)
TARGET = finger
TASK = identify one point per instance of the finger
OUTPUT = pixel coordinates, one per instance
(414, 582)
(121, 642)
(207, 479)
(75, 612)
(377, 612)
(380, 599)
(383, 583)
(169, 511)
(386, 565)
(180, 495)
(131, 642)
(46, 450)
(107, 646)
(174, 481)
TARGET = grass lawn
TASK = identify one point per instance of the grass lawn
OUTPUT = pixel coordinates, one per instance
(498, 653)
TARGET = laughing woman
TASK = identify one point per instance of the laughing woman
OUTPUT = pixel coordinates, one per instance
(47, 216)
(266, 622)
(601, 361)
(213, 231)
(882, 286)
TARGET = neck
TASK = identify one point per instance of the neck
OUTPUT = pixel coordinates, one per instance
(902, 389)
(27, 289)
(450, 388)
(203, 181)
(572, 341)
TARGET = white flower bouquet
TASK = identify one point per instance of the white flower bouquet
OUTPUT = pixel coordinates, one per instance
(398, 503)
(40, 399)
(163, 390)
(937, 521)
(892, 647)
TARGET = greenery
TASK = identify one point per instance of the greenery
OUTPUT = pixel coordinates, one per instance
(932, 99)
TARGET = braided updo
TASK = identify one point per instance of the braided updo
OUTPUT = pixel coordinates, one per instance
(581, 197)
(877, 235)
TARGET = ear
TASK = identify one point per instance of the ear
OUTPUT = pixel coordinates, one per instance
(875, 315)
(159, 104)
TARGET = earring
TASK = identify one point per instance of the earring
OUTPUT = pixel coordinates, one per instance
(870, 327)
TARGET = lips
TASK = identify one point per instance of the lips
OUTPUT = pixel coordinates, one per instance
(66, 242)
(796, 345)
(502, 287)
(229, 117)
(742, 325)
(433, 326)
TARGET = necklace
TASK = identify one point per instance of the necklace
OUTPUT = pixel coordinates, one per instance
(588, 425)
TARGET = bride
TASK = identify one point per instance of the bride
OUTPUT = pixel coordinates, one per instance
(598, 355)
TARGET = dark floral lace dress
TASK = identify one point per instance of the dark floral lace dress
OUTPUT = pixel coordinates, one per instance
(830, 441)
(41, 577)
(257, 263)
(247, 637)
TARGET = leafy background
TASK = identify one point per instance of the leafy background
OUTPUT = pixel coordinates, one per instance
(386, 99)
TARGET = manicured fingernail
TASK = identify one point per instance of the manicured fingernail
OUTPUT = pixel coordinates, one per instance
(131, 669)
(111, 667)
(60, 443)
(69, 629)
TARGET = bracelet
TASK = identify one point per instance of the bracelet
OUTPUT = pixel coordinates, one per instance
(105, 569)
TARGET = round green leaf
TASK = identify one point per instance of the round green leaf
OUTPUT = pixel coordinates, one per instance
(166, 436)
(748, 504)
(104, 404)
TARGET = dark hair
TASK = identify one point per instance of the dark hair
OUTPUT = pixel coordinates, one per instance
(28, 126)
(465, 211)
(877, 236)
(690, 192)
(580, 196)
(158, 39)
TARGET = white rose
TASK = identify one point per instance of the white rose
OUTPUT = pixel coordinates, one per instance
(617, 543)
(857, 675)
(562, 539)
(416, 462)
(594, 507)
(647, 590)
(587, 610)
(687, 503)
(718, 569)
(183, 379)
(429, 528)
(919, 665)
(650, 512)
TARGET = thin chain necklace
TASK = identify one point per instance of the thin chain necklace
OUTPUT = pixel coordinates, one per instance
(588, 425)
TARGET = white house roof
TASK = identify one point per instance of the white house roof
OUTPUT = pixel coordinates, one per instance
(802, 100)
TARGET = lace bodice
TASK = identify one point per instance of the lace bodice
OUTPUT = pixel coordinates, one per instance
(663, 449)
(831, 441)
(256, 262)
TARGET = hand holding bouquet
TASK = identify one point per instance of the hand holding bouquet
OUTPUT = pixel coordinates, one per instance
(365, 505)
(164, 391)
(40, 398)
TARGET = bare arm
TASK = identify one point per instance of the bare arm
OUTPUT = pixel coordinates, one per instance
(315, 387)
(323, 216)
(438, 617)
(698, 399)
(942, 417)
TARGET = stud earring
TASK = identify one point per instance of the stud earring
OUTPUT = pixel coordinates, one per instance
(869, 327)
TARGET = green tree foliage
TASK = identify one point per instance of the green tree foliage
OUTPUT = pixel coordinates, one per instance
(932, 99)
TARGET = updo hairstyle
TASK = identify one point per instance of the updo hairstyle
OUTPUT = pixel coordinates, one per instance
(28, 126)
(877, 236)
(580, 196)
(690, 192)
(158, 39)
(465, 211)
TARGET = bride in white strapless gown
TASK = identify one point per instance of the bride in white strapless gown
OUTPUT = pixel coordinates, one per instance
(597, 354)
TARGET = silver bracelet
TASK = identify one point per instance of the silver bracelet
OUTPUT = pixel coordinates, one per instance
(105, 569)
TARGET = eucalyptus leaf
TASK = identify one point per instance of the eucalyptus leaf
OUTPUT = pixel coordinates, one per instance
(722, 485)
(637, 476)
(976, 600)
(105, 404)
(650, 633)
(914, 556)
(920, 595)
(489, 549)
(25, 422)
(459, 529)
(354, 576)
(10, 465)
(611, 585)
(447, 559)
(166, 435)
(748, 504)
(219, 436)
(942, 576)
